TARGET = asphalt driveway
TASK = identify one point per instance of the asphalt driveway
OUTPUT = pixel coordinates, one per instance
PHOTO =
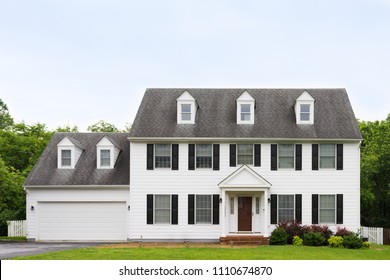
(9, 250)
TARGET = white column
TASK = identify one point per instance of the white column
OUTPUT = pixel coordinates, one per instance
(223, 213)
(266, 211)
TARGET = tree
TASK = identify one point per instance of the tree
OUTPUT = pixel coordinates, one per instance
(6, 120)
(67, 128)
(102, 126)
(375, 173)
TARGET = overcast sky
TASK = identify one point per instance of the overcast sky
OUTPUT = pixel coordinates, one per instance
(79, 61)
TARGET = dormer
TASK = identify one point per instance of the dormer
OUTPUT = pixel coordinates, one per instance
(304, 109)
(245, 109)
(107, 152)
(69, 151)
(186, 109)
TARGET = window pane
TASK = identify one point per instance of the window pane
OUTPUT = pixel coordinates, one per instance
(257, 205)
(163, 155)
(245, 112)
(285, 208)
(204, 155)
(186, 112)
(327, 156)
(162, 209)
(286, 156)
(327, 209)
(66, 157)
(305, 108)
(105, 159)
(232, 205)
(245, 154)
(203, 209)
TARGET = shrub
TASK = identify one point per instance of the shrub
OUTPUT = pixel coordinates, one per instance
(353, 241)
(313, 239)
(297, 241)
(278, 237)
(366, 244)
(323, 230)
(336, 242)
(293, 228)
(342, 231)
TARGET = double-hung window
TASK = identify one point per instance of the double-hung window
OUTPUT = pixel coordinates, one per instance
(186, 112)
(327, 156)
(162, 156)
(286, 208)
(244, 154)
(286, 156)
(204, 155)
(245, 112)
(327, 209)
(305, 112)
(203, 209)
(105, 158)
(162, 209)
(66, 158)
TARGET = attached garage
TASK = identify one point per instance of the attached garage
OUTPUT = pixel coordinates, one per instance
(79, 221)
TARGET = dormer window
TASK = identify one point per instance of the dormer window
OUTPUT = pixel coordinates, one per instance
(245, 109)
(107, 152)
(69, 151)
(66, 158)
(186, 109)
(304, 109)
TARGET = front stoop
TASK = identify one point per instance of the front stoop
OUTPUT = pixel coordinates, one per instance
(244, 240)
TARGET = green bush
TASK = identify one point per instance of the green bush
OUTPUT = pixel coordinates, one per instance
(313, 239)
(297, 241)
(353, 241)
(336, 242)
(278, 237)
(366, 244)
(293, 228)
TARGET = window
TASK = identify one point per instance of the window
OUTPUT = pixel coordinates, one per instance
(327, 156)
(232, 205)
(286, 156)
(162, 209)
(66, 157)
(204, 153)
(105, 157)
(245, 112)
(203, 206)
(163, 156)
(257, 205)
(327, 209)
(305, 112)
(186, 112)
(244, 154)
(285, 208)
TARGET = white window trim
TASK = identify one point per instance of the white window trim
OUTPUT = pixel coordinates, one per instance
(278, 205)
(253, 154)
(251, 111)
(154, 210)
(319, 158)
(111, 149)
(319, 209)
(212, 158)
(170, 157)
(278, 162)
(211, 210)
(72, 155)
(311, 113)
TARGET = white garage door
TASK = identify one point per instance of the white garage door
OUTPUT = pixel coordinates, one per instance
(82, 221)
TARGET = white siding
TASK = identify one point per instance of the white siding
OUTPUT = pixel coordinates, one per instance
(36, 196)
(184, 182)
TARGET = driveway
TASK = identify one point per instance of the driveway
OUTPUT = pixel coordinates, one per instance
(9, 250)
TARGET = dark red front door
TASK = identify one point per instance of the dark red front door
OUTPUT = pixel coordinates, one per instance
(245, 214)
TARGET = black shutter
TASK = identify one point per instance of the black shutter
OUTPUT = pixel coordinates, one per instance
(274, 209)
(314, 209)
(149, 209)
(216, 157)
(149, 156)
(175, 156)
(216, 209)
(191, 156)
(339, 156)
(339, 215)
(298, 208)
(314, 157)
(233, 155)
(298, 157)
(274, 157)
(257, 155)
(174, 209)
(191, 209)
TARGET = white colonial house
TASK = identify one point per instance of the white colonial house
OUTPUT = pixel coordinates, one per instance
(201, 165)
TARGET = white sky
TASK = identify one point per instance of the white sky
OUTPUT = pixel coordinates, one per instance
(79, 61)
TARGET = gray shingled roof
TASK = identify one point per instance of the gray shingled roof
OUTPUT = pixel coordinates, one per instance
(274, 115)
(45, 172)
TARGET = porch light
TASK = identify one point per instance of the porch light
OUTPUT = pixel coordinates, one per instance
(32, 208)
(128, 207)
(269, 200)
(220, 200)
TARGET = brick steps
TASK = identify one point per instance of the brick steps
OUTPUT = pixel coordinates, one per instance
(244, 240)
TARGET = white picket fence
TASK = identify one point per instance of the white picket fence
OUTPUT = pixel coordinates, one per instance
(374, 235)
(17, 228)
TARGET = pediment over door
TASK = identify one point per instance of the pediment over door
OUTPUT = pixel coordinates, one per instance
(244, 177)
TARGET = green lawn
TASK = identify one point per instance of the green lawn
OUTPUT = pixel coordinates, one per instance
(289, 252)
(7, 238)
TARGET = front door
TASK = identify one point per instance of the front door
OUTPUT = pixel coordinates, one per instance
(245, 213)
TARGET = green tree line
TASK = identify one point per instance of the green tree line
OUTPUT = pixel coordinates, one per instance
(22, 144)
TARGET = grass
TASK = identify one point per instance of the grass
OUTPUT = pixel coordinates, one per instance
(289, 252)
(7, 238)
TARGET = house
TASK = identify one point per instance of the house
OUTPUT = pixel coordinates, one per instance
(203, 164)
